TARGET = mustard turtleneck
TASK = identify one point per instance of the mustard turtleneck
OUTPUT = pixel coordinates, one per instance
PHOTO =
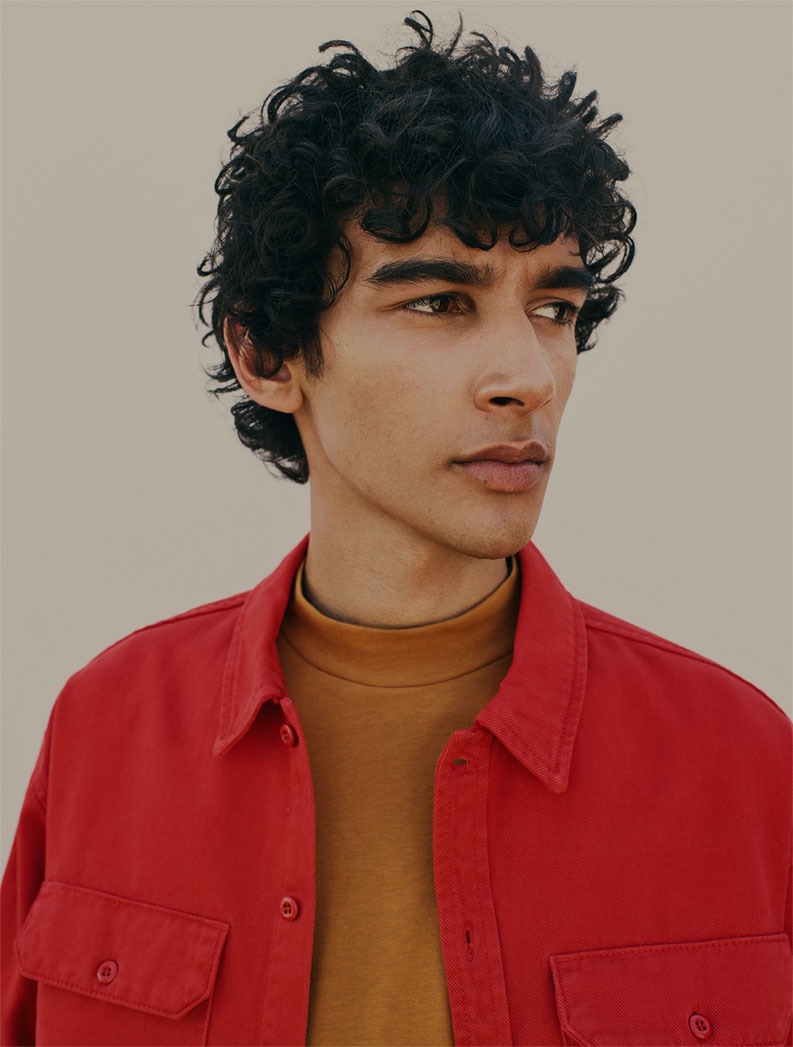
(377, 707)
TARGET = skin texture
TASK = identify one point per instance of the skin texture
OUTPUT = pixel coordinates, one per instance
(401, 533)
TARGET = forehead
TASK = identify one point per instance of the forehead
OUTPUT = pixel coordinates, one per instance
(368, 253)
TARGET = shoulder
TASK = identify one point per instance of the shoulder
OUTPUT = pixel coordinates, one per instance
(169, 635)
(693, 686)
(162, 662)
(177, 665)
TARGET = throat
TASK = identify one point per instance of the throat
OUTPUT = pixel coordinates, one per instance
(387, 594)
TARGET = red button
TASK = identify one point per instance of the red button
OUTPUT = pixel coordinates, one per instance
(288, 736)
(700, 1026)
(107, 971)
(289, 908)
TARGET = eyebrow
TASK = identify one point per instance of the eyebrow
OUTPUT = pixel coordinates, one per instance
(565, 277)
(447, 270)
(416, 270)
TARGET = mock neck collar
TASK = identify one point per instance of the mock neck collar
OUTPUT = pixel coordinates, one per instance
(534, 714)
(415, 656)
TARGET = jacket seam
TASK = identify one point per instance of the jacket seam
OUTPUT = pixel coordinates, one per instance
(225, 605)
(34, 789)
(575, 686)
(119, 901)
(114, 998)
(220, 928)
(627, 633)
(632, 950)
(39, 779)
(561, 961)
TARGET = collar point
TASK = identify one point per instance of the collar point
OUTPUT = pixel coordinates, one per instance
(222, 745)
(556, 782)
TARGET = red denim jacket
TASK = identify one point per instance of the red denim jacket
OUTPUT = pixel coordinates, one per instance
(611, 843)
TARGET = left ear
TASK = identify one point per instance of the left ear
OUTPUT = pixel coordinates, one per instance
(281, 392)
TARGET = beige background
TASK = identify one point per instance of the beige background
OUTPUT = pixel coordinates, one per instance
(126, 496)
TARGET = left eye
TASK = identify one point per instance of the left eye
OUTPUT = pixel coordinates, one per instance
(560, 312)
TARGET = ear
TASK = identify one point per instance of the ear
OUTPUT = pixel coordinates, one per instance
(281, 392)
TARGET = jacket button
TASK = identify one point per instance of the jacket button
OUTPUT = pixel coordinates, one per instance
(107, 971)
(288, 736)
(700, 1026)
(289, 908)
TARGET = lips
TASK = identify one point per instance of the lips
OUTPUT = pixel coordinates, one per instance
(507, 467)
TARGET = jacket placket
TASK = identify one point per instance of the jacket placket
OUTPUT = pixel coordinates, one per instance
(469, 932)
(286, 992)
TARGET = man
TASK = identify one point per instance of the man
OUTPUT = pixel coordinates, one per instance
(407, 790)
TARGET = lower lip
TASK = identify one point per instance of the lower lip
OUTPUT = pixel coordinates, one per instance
(505, 476)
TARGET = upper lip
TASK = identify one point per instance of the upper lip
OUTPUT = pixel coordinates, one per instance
(531, 451)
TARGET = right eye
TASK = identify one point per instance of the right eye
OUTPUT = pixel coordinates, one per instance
(432, 305)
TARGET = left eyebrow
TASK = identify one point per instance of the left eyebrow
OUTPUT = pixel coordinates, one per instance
(565, 278)
(417, 270)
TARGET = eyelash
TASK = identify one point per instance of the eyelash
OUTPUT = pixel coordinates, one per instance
(568, 314)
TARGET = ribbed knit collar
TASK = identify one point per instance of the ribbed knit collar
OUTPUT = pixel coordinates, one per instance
(405, 657)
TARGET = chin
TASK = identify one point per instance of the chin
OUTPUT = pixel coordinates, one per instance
(494, 542)
(495, 549)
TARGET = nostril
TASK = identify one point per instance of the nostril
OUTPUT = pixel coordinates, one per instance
(504, 401)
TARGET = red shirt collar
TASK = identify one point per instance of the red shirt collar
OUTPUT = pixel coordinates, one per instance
(534, 713)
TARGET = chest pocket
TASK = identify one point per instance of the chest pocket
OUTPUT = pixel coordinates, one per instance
(116, 971)
(733, 991)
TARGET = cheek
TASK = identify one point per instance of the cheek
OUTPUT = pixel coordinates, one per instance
(369, 420)
(565, 377)
(380, 393)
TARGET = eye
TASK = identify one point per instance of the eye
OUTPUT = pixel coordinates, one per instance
(434, 305)
(563, 313)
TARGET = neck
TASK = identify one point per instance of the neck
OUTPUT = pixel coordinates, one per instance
(394, 582)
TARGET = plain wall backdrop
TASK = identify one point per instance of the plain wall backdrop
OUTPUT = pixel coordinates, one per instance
(127, 498)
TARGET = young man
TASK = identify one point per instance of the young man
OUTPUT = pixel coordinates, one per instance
(407, 790)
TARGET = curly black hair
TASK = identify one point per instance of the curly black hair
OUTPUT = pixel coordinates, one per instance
(467, 134)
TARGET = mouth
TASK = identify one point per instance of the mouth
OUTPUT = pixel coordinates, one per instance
(507, 467)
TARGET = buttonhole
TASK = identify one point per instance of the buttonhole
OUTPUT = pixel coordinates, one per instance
(467, 937)
(459, 762)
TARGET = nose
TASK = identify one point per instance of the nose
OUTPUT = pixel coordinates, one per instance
(520, 377)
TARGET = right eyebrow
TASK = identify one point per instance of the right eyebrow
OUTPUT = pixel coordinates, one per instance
(418, 270)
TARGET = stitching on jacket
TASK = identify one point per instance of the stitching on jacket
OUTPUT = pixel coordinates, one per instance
(224, 604)
(115, 901)
(121, 903)
(34, 789)
(579, 642)
(212, 973)
(564, 1016)
(227, 604)
(227, 680)
(634, 950)
(211, 976)
(552, 766)
(114, 998)
(631, 632)
(39, 780)
(496, 970)
(560, 961)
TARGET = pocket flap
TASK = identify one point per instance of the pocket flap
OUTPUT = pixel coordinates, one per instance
(727, 991)
(156, 960)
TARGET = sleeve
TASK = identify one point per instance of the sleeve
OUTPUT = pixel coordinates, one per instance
(788, 930)
(23, 877)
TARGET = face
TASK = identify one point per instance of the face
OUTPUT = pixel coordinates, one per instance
(447, 370)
